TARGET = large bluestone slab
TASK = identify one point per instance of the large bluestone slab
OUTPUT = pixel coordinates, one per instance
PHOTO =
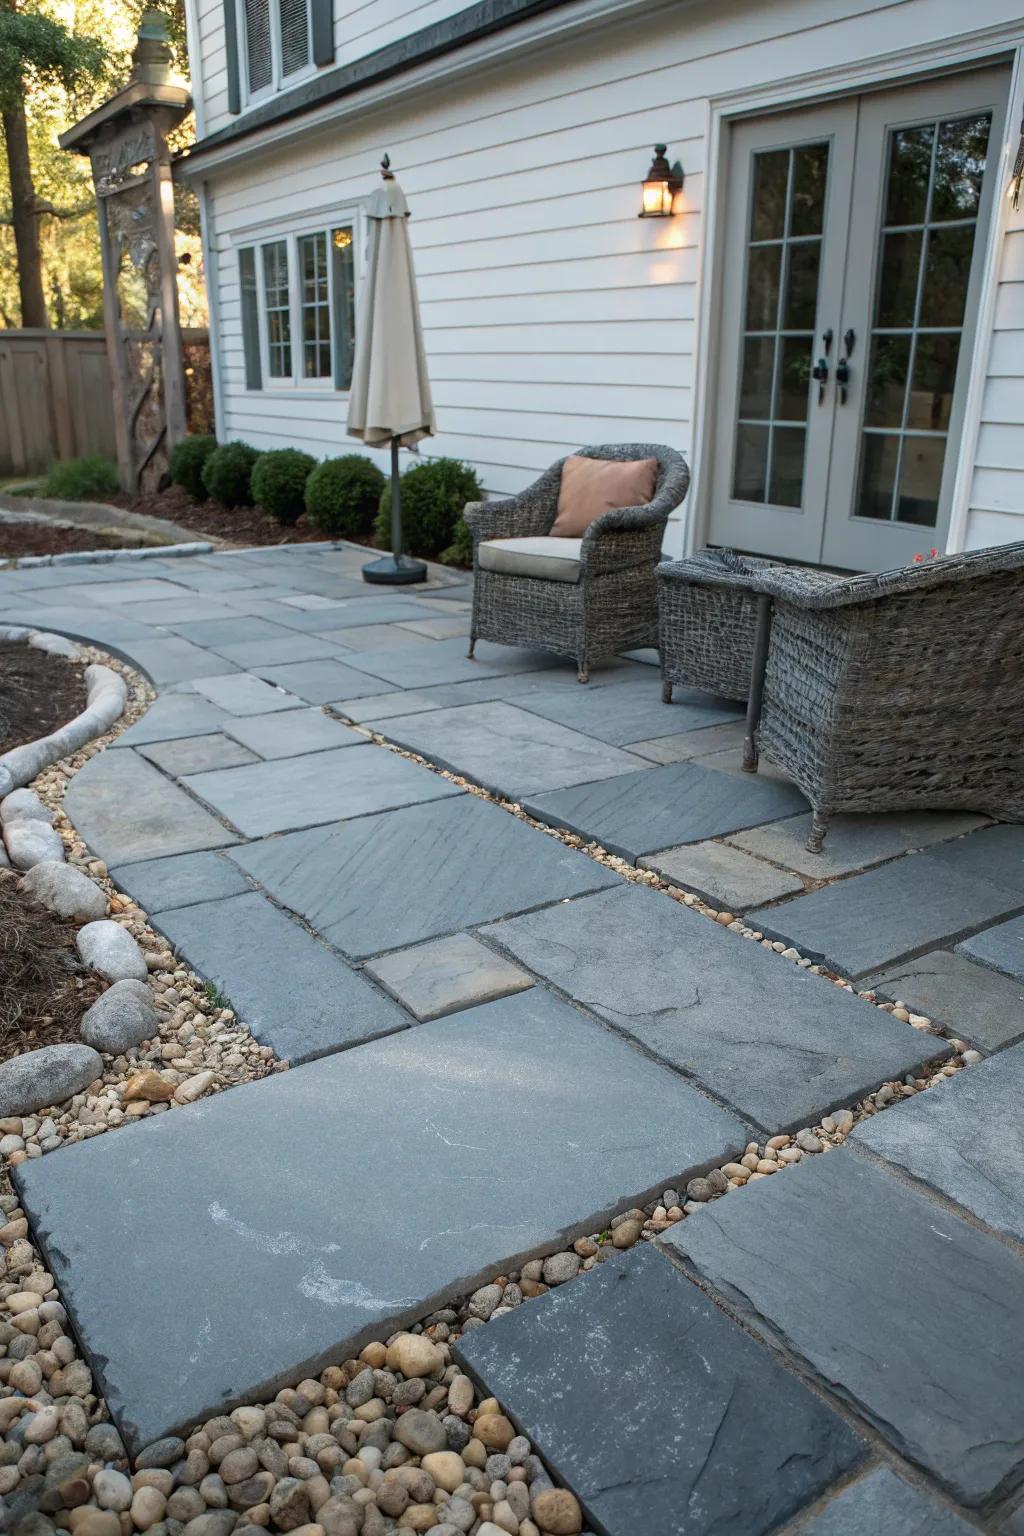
(126, 810)
(628, 711)
(507, 750)
(384, 882)
(294, 993)
(445, 661)
(781, 1046)
(317, 787)
(971, 1000)
(196, 754)
(1001, 948)
(865, 923)
(964, 1138)
(645, 1399)
(181, 880)
(171, 716)
(292, 734)
(297, 1231)
(853, 842)
(845, 1266)
(318, 682)
(880, 1502)
(635, 814)
(997, 853)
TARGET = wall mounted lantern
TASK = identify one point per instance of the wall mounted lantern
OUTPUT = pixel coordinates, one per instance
(662, 185)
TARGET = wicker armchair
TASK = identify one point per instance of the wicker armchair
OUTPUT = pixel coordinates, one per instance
(589, 598)
(898, 691)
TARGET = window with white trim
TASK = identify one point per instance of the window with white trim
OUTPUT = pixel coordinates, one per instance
(298, 307)
(277, 43)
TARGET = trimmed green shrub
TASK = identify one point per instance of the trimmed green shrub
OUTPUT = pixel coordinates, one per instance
(227, 474)
(279, 483)
(460, 550)
(342, 495)
(433, 496)
(186, 466)
(87, 479)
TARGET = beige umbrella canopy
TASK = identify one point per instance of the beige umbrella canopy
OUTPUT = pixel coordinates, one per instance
(390, 395)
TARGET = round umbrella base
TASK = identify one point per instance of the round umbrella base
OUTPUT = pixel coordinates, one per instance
(390, 572)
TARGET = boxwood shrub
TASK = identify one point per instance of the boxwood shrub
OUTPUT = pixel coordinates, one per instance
(342, 496)
(227, 474)
(186, 465)
(433, 496)
(279, 483)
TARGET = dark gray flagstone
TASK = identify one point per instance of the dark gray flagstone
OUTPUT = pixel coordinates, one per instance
(197, 754)
(650, 1404)
(627, 711)
(318, 682)
(782, 1046)
(445, 661)
(1001, 948)
(679, 803)
(869, 921)
(997, 853)
(211, 1255)
(173, 715)
(317, 787)
(180, 880)
(972, 1001)
(850, 1269)
(126, 810)
(294, 993)
(292, 734)
(384, 882)
(880, 1502)
(964, 1138)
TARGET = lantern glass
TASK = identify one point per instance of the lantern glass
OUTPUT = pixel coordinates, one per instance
(657, 197)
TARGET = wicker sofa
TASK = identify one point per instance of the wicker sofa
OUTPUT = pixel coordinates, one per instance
(587, 598)
(897, 691)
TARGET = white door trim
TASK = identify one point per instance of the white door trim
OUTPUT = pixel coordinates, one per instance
(985, 46)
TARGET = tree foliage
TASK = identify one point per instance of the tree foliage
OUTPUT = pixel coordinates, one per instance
(38, 50)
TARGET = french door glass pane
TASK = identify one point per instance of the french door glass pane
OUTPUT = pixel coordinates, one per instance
(933, 194)
(277, 308)
(783, 255)
(315, 305)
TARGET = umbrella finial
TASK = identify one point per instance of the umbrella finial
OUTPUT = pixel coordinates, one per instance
(385, 168)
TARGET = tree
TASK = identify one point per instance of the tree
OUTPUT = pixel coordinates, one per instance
(36, 52)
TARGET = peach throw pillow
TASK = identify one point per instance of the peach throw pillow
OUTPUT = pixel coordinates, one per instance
(592, 486)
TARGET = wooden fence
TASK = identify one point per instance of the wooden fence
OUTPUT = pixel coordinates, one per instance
(55, 396)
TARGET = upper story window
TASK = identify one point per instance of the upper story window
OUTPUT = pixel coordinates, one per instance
(277, 42)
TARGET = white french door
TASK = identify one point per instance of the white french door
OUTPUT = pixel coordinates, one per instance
(847, 307)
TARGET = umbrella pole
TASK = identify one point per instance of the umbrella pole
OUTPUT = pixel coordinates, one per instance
(396, 569)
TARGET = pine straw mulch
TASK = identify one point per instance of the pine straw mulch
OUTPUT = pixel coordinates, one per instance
(38, 693)
(44, 987)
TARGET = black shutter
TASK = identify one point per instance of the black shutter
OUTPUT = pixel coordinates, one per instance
(231, 52)
(250, 317)
(322, 18)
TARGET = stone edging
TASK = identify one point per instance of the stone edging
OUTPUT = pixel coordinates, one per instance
(105, 701)
(103, 556)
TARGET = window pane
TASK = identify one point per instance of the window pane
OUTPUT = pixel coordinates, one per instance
(960, 166)
(910, 164)
(751, 463)
(931, 393)
(316, 313)
(756, 389)
(897, 287)
(294, 35)
(344, 326)
(763, 287)
(277, 306)
(768, 214)
(787, 466)
(920, 479)
(810, 174)
(887, 381)
(257, 44)
(801, 306)
(879, 452)
(794, 377)
(946, 273)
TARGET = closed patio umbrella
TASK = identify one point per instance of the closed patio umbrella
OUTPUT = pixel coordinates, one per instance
(390, 396)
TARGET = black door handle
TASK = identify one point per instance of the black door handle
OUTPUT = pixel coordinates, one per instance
(820, 373)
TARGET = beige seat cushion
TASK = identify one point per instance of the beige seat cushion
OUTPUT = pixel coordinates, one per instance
(592, 486)
(549, 558)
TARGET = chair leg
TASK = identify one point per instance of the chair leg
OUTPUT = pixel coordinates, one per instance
(819, 827)
(472, 647)
(666, 691)
(583, 674)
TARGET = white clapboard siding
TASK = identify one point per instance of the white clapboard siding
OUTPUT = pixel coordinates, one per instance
(552, 315)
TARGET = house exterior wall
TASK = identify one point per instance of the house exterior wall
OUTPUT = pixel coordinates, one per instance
(552, 315)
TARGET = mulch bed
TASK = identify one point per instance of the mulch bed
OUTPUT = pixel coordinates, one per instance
(239, 525)
(44, 987)
(38, 693)
(17, 539)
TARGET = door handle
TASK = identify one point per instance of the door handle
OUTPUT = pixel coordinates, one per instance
(820, 373)
(842, 378)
